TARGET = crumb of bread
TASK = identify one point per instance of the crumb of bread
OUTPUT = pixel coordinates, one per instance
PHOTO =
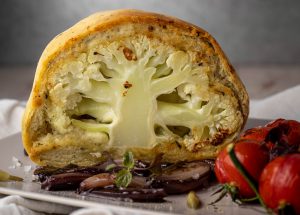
(16, 163)
(27, 168)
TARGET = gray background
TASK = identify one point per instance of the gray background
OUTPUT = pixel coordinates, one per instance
(250, 31)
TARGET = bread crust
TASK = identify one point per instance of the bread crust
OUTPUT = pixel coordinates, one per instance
(101, 22)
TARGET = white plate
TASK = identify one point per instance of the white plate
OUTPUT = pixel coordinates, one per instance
(12, 147)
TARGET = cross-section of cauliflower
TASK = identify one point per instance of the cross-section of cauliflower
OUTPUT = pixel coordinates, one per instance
(140, 93)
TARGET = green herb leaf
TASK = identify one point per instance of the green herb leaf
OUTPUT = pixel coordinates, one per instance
(123, 178)
(128, 160)
(110, 167)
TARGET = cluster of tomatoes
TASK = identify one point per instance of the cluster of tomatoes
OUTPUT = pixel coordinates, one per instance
(271, 157)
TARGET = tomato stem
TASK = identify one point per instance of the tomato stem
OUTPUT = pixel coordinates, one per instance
(249, 199)
(251, 182)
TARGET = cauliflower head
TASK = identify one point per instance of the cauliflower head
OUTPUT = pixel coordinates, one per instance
(140, 86)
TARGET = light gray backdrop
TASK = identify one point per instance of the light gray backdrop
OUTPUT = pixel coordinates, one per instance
(249, 31)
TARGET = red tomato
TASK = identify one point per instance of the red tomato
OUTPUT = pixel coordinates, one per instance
(258, 134)
(280, 182)
(274, 123)
(287, 131)
(293, 132)
(252, 156)
(280, 136)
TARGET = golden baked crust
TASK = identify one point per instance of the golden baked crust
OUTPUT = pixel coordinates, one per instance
(48, 144)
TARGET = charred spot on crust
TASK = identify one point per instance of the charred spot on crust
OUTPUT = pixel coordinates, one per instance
(198, 33)
(129, 55)
(150, 28)
(219, 137)
(215, 141)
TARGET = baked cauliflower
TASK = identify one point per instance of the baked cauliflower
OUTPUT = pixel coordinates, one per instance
(131, 80)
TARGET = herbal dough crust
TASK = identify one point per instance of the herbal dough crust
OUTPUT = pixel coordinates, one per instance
(132, 80)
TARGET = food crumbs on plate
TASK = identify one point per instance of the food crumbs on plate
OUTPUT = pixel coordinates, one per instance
(16, 163)
(27, 168)
(193, 200)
